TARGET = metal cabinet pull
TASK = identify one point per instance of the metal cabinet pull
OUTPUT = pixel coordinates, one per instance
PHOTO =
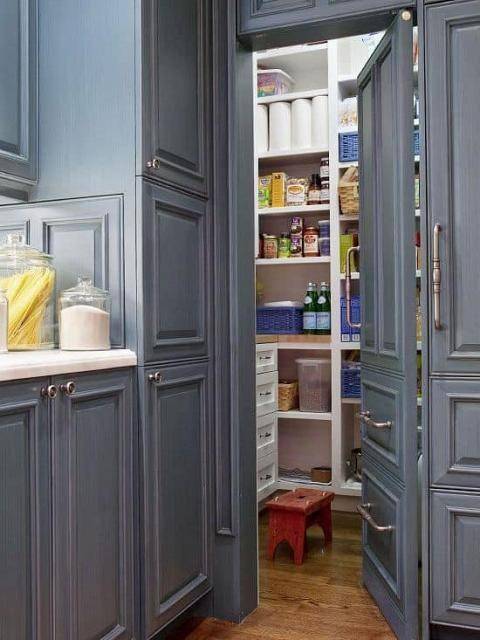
(68, 388)
(155, 377)
(154, 163)
(436, 276)
(348, 288)
(267, 393)
(49, 392)
(265, 357)
(365, 416)
(364, 511)
(267, 477)
(265, 435)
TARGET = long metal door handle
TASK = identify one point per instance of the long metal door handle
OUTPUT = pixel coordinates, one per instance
(364, 511)
(348, 288)
(366, 417)
(436, 276)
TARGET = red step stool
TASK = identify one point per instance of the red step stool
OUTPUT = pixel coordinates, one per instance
(291, 514)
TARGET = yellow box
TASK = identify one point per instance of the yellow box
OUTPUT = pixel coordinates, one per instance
(279, 182)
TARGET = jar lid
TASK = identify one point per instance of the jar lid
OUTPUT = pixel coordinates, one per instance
(84, 290)
(15, 248)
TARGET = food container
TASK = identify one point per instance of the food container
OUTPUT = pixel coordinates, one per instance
(324, 246)
(273, 82)
(270, 246)
(284, 244)
(321, 474)
(315, 387)
(310, 242)
(28, 279)
(84, 316)
(287, 395)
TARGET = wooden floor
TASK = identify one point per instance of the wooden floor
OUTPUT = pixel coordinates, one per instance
(321, 600)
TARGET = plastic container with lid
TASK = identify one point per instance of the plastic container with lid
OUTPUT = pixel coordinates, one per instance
(315, 384)
(28, 278)
(84, 316)
(273, 82)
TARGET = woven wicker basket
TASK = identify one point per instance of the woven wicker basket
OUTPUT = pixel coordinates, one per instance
(287, 396)
(349, 192)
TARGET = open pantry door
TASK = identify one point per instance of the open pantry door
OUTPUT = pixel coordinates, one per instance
(388, 341)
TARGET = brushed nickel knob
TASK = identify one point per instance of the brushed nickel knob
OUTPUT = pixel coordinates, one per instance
(49, 392)
(155, 377)
(153, 164)
(68, 388)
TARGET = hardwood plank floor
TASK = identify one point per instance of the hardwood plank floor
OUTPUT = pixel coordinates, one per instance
(321, 600)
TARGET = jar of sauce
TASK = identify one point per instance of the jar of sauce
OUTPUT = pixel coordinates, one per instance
(270, 246)
(310, 242)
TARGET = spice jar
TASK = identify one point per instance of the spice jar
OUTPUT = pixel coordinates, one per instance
(314, 189)
(84, 315)
(270, 246)
(310, 242)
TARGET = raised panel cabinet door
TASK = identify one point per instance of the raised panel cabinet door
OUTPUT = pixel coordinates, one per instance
(93, 499)
(454, 559)
(176, 92)
(176, 274)
(85, 238)
(388, 344)
(25, 511)
(176, 502)
(18, 90)
(261, 16)
(453, 189)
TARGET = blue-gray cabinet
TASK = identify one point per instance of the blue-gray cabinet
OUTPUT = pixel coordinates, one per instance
(67, 450)
(25, 509)
(176, 93)
(18, 90)
(176, 531)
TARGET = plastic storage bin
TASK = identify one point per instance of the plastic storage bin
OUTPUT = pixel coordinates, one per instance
(273, 82)
(315, 384)
(280, 320)
(348, 147)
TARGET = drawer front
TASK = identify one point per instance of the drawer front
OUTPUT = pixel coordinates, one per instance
(382, 397)
(266, 435)
(454, 558)
(266, 475)
(455, 433)
(267, 358)
(385, 552)
(267, 390)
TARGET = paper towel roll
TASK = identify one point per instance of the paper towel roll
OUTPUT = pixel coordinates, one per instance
(261, 128)
(320, 121)
(280, 126)
(301, 124)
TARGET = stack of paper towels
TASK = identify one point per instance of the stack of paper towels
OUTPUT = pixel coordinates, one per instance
(288, 126)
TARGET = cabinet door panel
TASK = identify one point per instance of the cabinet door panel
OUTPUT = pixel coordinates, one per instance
(453, 190)
(85, 237)
(177, 121)
(175, 274)
(176, 502)
(455, 562)
(24, 512)
(18, 95)
(93, 498)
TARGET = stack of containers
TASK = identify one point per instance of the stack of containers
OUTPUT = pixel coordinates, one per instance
(348, 333)
(324, 237)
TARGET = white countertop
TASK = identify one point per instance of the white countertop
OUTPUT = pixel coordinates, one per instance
(17, 365)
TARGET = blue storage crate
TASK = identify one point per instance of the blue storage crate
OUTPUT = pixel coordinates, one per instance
(280, 320)
(351, 380)
(348, 146)
(347, 333)
(416, 142)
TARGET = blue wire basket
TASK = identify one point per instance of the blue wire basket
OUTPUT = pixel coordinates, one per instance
(280, 320)
(351, 380)
(348, 146)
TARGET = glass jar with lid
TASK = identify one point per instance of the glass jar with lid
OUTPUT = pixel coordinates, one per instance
(84, 317)
(28, 278)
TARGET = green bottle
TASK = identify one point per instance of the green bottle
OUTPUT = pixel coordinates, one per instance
(324, 311)
(310, 307)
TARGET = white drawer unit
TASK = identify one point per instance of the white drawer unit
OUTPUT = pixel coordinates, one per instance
(267, 357)
(266, 435)
(266, 475)
(267, 389)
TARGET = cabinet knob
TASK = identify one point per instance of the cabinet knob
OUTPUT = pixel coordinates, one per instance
(49, 392)
(68, 388)
(154, 163)
(155, 377)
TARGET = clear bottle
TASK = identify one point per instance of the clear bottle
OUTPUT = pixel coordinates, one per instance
(3, 321)
(324, 312)
(310, 309)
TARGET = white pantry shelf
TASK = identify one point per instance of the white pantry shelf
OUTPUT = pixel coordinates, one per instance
(349, 217)
(304, 346)
(351, 401)
(287, 485)
(262, 262)
(294, 154)
(304, 415)
(345, 165)
(290, 211)
(296, 95)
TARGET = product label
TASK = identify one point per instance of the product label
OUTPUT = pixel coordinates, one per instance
(324, 171)
(309, 321)
(321, 299)
(307, 300)
(323, 320)
(325, 193)
(314, 195)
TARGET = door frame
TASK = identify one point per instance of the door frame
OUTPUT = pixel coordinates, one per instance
(235, 490)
